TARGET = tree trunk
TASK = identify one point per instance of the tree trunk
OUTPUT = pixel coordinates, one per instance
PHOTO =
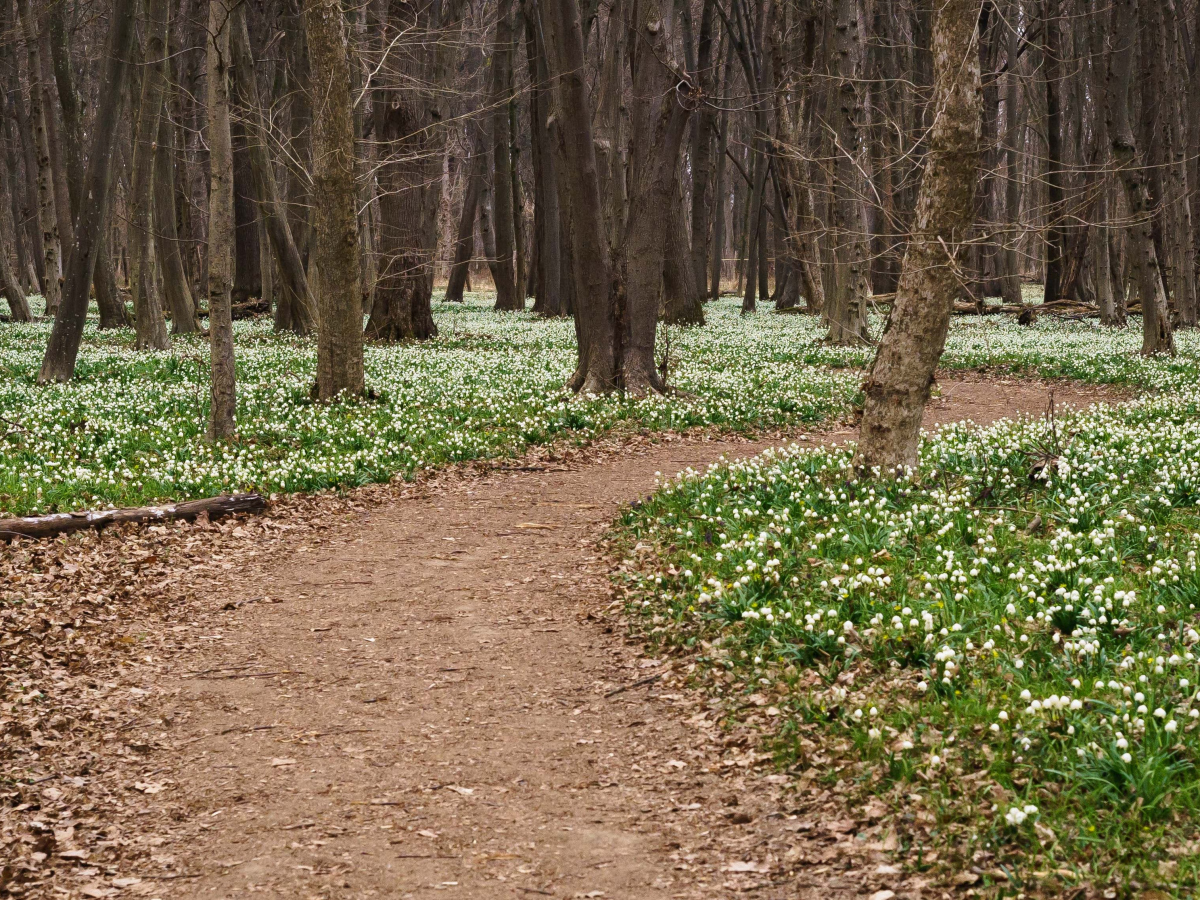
(595, 289)
(63, 347)
(549, 277)
(407, 128)
(1157, 333)
(47, 208)
(657, 135)
(501, 263)
(846, 310)
(18, 305)
(335, 216)
(683, 299)
(149, 324)
(704, 122)
(295, 291)
(899, 383)
(247, 266)
(176, 289)
(222, 421)
(464, 243)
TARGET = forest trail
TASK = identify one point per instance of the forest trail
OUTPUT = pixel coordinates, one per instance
(430, 712)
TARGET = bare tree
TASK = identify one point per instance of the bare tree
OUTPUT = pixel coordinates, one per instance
(222, 419)
(898, 386)
(335, 225)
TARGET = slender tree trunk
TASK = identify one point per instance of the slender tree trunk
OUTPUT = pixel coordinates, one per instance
(846, 310)
(507, 296)
(176, 289)
(550, 280)
(63, 347)
(149, 323)
(222, 421)
(898, 386)
(704, 122)
(1157, 333)
(47, 209)
(336, 248)
(464, 243)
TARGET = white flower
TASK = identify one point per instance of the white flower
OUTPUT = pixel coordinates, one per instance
(1015, 816)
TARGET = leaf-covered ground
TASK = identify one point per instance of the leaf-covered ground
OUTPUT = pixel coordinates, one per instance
(1002, 646)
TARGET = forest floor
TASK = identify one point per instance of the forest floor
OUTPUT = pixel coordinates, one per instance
(412, 689)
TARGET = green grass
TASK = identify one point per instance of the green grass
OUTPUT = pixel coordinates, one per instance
(130, 428)
(1002, 647)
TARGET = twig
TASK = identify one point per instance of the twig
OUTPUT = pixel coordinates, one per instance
(636, 684)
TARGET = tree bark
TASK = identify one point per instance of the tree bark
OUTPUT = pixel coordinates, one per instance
(464, 242)
(222, 419)
(294, 280)
(846, 309)
(1157, 333)
(335, 231)
(595, 288)
(898, 386)
(47, 208)
(658, 120)
(176, 289)
(149, 324)
(18, 305)
(501, 260)
(550, 278)
(63, 347)
(37, 527)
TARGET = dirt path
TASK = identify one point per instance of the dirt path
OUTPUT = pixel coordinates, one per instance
(427, 707)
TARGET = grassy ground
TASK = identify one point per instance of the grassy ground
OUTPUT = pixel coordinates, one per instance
(130, 428)
(1002, 648)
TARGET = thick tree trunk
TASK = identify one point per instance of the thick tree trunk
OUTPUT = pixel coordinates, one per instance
(335, 216)
(899, 383)
(295, 291)
(683, 299)
(47, 208)
(18, 305)
(1157, 333)
(63, 347)
(222, 421)
(657, 135)
(150, 326)
(595, 308)
(247, 255)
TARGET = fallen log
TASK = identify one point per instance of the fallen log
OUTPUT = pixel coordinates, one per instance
(65, 523)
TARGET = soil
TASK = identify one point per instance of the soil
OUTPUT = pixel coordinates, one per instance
(434, 695)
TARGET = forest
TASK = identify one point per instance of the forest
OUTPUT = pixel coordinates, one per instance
(600, 448)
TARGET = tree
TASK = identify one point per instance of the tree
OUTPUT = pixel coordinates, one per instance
(47, 209)
(223, 407)
(335, 214)
(1157, 334)
(898, 385)
(147, 305)
(63, 347)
